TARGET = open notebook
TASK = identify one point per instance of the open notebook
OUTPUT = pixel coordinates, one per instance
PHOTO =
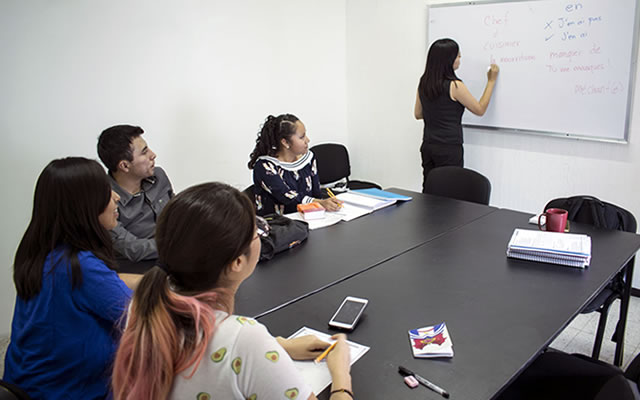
(356, 204)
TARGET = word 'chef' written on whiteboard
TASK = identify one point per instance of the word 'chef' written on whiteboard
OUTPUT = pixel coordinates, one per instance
(565, 66)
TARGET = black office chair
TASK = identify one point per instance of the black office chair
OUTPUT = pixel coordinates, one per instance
(135, 267)
(9, 391)
(459, 183)
(333, 164)
(557, 375)
(251, 192)
(592, 211)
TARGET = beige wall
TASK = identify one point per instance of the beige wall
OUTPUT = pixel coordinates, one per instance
(386, 53)
(198, 76)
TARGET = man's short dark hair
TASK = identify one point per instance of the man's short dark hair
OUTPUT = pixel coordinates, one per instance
(114, 145)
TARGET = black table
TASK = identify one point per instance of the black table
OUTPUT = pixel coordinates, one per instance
(500, 312)
(348, 248)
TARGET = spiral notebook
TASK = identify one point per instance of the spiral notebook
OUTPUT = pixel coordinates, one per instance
(568, 249)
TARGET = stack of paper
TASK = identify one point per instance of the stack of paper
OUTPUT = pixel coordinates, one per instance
(431, 341)
(568, 249)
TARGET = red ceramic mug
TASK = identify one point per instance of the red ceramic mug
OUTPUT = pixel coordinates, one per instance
(556, 220)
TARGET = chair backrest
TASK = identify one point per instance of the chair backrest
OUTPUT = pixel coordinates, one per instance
(250, 191)
(459, 183)
(593, 211)
(9, 391)
(633, 371)
(332, 160)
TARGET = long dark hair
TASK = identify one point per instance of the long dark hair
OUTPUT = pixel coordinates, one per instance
(442, 54)
(70, 195)
(199, 234)
(269, 138)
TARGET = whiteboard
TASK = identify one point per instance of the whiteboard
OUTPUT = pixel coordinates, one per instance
(566, 67)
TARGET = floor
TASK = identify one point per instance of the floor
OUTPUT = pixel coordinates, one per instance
(579, 335)
(576, 338)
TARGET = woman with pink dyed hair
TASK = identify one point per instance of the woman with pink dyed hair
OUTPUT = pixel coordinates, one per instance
(182, 340)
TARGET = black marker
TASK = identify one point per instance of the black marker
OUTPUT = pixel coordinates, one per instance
(405, 372)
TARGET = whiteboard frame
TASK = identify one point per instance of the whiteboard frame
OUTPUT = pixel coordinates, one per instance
(566, 135)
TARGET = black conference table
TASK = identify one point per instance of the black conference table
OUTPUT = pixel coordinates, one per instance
(500, 312)
(337, 252)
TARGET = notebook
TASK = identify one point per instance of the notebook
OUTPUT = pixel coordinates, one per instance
(431, 341)
(381, 194)
(364, 201)
(569, 249)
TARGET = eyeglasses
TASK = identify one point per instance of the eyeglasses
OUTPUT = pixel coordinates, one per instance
(262, 227)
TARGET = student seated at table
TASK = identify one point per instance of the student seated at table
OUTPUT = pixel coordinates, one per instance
(182, 340)
(284, 170)
(144, 190)
(70, 300)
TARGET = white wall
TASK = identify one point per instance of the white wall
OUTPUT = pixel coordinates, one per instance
(198, 76)
(386, 54)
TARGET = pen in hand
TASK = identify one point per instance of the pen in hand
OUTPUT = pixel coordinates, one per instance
(333, 196)
(325, 353)
(405, 372)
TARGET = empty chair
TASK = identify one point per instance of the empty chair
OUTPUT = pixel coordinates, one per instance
(334, 168)
(459, 183)
(592, 211)
(557, 375)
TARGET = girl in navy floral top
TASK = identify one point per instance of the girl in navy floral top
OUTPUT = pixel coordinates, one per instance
(284, 170)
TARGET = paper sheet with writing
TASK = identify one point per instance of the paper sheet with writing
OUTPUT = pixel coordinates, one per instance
(551, 242)
(317, 375)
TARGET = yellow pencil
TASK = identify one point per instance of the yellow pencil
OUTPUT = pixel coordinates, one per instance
(324, 353)
(333, 196)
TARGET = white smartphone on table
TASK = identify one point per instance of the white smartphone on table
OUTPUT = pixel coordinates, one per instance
(348, 313)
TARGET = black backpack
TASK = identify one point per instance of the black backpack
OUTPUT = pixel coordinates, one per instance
(593, 211)
(283, 234)
(603, 215)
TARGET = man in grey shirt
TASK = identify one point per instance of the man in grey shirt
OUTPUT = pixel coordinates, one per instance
(144, 190)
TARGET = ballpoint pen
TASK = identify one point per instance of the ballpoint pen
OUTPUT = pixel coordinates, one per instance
(405, 372)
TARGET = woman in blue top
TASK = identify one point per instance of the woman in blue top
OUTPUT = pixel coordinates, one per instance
(69, 299)
(284, 170)
(440, 102)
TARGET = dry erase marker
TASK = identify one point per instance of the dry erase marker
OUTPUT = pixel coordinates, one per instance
(405, 372)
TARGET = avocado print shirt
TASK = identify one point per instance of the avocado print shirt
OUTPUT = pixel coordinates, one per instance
(243, 361)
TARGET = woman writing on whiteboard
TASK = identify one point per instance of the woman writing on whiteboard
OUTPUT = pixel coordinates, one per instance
(440, 101)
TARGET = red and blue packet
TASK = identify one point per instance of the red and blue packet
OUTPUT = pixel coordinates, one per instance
(431, 341)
